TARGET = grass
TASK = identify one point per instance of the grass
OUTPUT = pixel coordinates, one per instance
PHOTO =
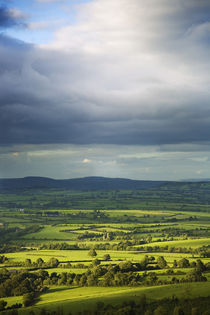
(13, 300)
(61, 255)
(148, 221)
(77, 299)
(51, 232)
(184, 243)
(82, 256)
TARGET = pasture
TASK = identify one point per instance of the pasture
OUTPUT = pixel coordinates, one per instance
(77, 299)
(49, 225)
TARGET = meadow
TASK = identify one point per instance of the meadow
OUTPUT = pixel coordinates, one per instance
(76, 299)
(83, 256)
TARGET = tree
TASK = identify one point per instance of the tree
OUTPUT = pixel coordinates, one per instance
(178, 311)
(28, 299)
(149, 239)
(106, 257)
(175, 264)
(92, 253)
(160, 310)
(183, 263)
(53, 262)
(144, 262)
(195, 276)
(28, 262)
(83, 280)
(2, 305)
(126, 266)
(195, 311)
(91, 280)
(96, 262)
(40, 262)
(161, 262)
(193, 264)
(200, 266)
(3, 259)
(100, 305)
(152, 277)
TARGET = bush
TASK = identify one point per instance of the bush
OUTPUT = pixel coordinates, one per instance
(2, 305)
(92, 253)
(106, 257)
(28, 299)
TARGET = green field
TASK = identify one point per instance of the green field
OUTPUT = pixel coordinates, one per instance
(82, 256)
(51, 232)
(156, 224)
(79, 299)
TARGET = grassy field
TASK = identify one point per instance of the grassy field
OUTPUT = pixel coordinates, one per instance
(82, 255)
(184, 243)
(154, 219)
(77, 299)
(51, 232)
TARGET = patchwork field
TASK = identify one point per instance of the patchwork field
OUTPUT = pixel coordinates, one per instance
(71, 260)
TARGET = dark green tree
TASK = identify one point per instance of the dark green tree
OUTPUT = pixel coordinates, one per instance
(183, 263)
(161, 262)
(106, 257)
(28, 299)
(2, 305)
(92, 253)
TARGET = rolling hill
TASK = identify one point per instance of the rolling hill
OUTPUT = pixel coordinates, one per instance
(86, 183)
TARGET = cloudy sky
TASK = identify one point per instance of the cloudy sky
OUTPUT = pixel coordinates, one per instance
(116, 88)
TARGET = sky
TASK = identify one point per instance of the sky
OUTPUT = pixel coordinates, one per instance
(114, 88)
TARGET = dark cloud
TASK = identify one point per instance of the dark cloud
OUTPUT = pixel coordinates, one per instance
(115, 89)
(10, 18)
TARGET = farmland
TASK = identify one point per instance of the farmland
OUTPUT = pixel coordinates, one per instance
(73, 250)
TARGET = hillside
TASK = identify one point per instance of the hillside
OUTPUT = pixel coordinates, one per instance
(86, 183)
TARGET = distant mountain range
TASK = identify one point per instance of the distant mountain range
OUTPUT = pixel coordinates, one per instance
(196, 180)
(86, 183)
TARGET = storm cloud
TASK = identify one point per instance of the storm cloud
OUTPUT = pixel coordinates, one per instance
(10, 18)
(126, 72)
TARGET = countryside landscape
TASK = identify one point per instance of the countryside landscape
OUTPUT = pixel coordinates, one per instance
(104, 157)
(144, 250)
